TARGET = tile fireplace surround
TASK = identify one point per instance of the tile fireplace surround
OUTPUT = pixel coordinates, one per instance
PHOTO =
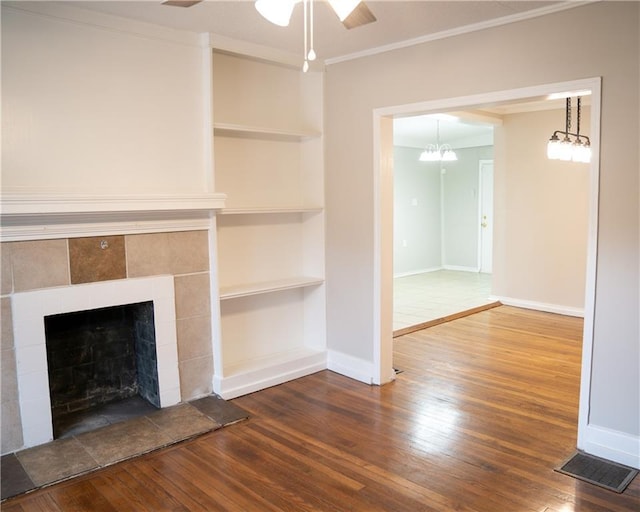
(43, 276)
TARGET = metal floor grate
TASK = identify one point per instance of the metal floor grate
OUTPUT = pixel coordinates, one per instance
(601, 472)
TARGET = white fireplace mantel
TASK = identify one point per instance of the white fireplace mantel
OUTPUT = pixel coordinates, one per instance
(49, 215)
(31, 307)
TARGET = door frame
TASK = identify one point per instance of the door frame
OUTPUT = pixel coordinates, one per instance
(382, 313)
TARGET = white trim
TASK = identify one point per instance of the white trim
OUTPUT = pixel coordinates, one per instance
(416, 272)
(382, 253)
(505, 20)
(256, 375)
(214, 284)
(611, 445)
(116, 225)
(28, 312)
(461, 268)
(41, 204)
(349, 366)
(378, 270)
(592, 254)
(539, 306)
(478, 100)
(385, 346)
(41, 216)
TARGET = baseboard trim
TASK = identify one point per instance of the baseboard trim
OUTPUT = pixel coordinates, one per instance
(416, 272)
(612, 445)
(540, 306)
(350, 366)
(460, 268)
(249, 380)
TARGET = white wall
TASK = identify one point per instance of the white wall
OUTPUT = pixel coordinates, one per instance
(542, 212)
(436, 211)
(99, 106)
(496, 59)
(416, 211)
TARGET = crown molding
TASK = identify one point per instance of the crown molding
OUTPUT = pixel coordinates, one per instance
(474, 27)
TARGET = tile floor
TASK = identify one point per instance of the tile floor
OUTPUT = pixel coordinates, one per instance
(421, 298)
(64, 458)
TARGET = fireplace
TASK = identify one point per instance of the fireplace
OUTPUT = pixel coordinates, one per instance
(98, 357)
(39, 311)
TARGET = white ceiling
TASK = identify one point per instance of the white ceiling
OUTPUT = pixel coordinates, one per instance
(398, 21)
(419, 131)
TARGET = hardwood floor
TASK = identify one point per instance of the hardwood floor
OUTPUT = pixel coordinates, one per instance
(484, 409)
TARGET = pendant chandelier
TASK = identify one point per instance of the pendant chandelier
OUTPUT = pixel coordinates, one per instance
(577, 149)
(437, 152)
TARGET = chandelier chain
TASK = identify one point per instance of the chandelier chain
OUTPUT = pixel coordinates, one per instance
(578, 120)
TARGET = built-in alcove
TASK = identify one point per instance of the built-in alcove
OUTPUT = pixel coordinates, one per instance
(97, 357)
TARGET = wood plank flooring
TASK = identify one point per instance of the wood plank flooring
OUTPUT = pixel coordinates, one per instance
(484, 409)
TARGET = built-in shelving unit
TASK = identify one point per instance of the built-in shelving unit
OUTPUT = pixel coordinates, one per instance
(270, 237)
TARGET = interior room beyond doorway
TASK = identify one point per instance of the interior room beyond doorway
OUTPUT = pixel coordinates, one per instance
(443, 218)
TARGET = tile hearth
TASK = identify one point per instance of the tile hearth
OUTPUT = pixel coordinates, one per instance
(61, 459)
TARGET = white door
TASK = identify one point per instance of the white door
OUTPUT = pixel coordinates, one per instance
(485, 237)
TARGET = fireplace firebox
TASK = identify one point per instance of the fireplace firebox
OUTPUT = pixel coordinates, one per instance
(100, 356)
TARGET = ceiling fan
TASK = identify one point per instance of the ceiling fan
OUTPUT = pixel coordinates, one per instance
(352, 13)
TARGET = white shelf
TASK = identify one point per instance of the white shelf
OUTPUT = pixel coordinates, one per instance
(267, 210)
(256, 132)
(246, 290)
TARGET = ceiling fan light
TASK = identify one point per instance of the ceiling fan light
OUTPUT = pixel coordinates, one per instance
(343, 7)
(277, 12)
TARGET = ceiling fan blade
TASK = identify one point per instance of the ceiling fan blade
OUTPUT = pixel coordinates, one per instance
(181, 3)
(361, 15)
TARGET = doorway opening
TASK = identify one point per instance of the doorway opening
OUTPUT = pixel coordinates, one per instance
(383, 204)
(443, 215)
